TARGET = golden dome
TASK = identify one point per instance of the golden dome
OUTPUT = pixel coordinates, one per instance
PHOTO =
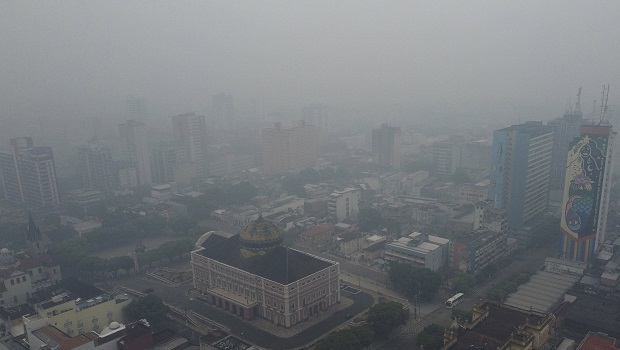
(259, 237)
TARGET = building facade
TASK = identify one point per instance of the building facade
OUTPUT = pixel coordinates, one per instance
(96, 167)
(386, 146)
(133, 137)
(251, 275)
(472, 252)
(28, 174)
(223, 111)
(519, 174)
(343, 205)
(190, 130)
(289, 149)
(587, 187)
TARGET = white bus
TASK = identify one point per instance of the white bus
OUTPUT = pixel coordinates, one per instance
(455, 300)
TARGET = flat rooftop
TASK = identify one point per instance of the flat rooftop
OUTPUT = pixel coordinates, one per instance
(282, 265)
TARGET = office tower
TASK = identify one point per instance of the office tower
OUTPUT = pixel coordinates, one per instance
(28, 174)
(565, 129)
(447, 156)
(223, 111)
(133, 136)
(587, 186)
(519, 174)
(386, 146)
(96, 167)
(190, 130)
(171, 163)
(289, 149)
(136, 109)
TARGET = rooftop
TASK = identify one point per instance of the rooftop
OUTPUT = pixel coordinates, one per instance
(282, 265)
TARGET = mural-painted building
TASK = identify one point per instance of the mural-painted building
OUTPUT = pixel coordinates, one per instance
(587, 188)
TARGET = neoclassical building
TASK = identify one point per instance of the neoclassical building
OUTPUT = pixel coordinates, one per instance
(252, 275)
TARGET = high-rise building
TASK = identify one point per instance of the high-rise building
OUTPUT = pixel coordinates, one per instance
(190, 130)
(447, 156)
(224, 111)
(136, 109)
(28, 174)
(96, 167)
(386, 146)
(519, 174)
(587, 186)
(133, 136)
(565, 129)
(289, 149)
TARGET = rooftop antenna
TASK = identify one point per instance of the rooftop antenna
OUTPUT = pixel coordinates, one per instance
(604, 120)
(578, 104)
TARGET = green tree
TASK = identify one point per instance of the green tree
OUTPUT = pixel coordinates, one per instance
(182, 224)
(353, 338)
(385, 317)
(463, 282)
(431, 337)
(462, 315)
(309, 176)
(12, 235)
(369, 219)
(414, 282)
(149, 307)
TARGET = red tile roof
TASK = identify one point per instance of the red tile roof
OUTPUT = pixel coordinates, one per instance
(597, 341)
(318, 229)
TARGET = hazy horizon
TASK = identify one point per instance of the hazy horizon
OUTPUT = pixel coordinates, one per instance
(475, 61)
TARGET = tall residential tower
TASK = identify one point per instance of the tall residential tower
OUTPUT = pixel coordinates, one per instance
(386, 146)
(520, 166)
(133, 136)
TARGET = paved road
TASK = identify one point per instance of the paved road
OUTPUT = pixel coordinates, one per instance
(178, 296)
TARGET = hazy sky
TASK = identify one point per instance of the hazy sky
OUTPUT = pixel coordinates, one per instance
(496, 59)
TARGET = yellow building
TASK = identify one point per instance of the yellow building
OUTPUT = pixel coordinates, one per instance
(77, 315)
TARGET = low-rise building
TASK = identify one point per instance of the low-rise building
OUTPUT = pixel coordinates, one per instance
(421, 254)
(474, 251)
(317, 236)
(22, 275)
(84, 198)
(474, 192)
(349, 243)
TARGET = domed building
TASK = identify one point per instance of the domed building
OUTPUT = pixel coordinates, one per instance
(252, 275)
(259, 238)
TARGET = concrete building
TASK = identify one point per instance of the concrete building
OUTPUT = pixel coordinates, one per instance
(447, 156)
(424, 251)
(587, 187)
(474, 192)
(343, 205)
(137, 109)
(133, 138)
(77, 311)
(84, 198)
(28, 174)
(520, 166)
(190, 131)
(317, 115)
(289, 149)
(472, 252)
(410, 184)
(21, 277)
(490, 218)
(317, 236)
(96, 167)
(252, 275)
(386, 146)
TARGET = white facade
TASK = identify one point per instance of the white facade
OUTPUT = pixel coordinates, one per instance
(344, 204)
(19, 279)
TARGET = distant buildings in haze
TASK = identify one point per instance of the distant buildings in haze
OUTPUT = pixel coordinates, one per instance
(289, 149)
(386, 146)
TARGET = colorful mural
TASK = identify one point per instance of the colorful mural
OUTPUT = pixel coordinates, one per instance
(585, 167)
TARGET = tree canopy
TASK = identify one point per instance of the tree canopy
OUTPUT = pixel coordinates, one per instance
(431, 337)
(369, 219)
(150, 307)
(385, 317)
(411, 281)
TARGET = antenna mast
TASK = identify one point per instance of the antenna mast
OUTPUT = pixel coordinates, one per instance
(578, 104)
(604, 120)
